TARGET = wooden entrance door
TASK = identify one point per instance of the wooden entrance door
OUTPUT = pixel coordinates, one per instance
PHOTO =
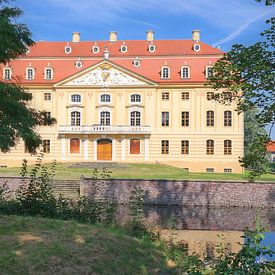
(104, 149)
(74, 146)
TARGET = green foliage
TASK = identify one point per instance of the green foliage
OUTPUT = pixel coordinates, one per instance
(136, 203)
(267, 2)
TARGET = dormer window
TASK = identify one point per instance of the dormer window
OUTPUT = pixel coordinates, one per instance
(197, 47)
(7, 74)
(78, 64)
(152, 48)
(105, 98)
(135, 98)
(123, 48)
(95, 49)
(136, 63)
(48, 73)
(30, 73)
(68, 49)
(185, 72)
(209, 71)
(165, 72)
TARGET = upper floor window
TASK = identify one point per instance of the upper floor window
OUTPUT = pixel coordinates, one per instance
(210, 118)
(105, 98)
(227, 147)
(185, 95)
(47, 118)
(135, 118)
(209, 71)
(7, 74)
(75, 118)
(135, 98)
(185, 72)
(210, 95)
(105, 118)
(165, 95)
(48, 73)
(210, 147)
(47, 96)
(76, 98)
(227, 118)
(165, 72)
(30, 73)
(164, 118)
(184, 118)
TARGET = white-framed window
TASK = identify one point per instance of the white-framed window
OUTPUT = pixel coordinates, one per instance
(123, 48)
(152, 48)
(95, 49)
(75, 118)
(165, 72)
(185, 72)
(135, 98)
(67, 49)
(105, 98)
(135, 118)
(78, 64)
(75, 98)
(29, 73)
(48, 73)
(209, 71)
(7, 74)
(105, 118)
(137, 62)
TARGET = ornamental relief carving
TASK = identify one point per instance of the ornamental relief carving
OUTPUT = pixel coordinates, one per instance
(105, 77)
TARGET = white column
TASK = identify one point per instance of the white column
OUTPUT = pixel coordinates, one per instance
(95, 149)
(146, 148)
(113, 149)
(63, 148)
(123, 148)
(86, 147)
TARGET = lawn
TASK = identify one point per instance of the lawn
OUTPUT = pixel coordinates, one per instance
(139, 171)
(42, 246)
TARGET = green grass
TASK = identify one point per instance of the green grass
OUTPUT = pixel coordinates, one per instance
(140, 171)
(31, 245)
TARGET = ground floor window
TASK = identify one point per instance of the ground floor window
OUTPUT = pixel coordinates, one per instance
(74, 146)
(165, 147)
(185, 147)
(46, 143)
(134, 146)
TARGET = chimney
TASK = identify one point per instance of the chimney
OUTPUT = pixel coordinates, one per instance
(76, 37)
(150, 35)
(113, 36)
(196, 35)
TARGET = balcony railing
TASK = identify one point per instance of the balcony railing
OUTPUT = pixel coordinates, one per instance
(104, 129)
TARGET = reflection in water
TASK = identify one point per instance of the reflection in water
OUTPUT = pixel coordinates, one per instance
(198, 227)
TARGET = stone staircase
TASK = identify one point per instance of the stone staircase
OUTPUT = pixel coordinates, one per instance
(68, 188)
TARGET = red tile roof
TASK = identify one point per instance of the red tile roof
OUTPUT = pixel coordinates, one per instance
(271, 147)
(172, 53)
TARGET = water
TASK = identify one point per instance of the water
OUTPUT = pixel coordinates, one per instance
(201, 228)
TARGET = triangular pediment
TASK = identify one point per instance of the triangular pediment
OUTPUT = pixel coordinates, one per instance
(105, 74)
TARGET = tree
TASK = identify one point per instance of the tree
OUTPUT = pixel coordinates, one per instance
(17, 119)
(246, 75)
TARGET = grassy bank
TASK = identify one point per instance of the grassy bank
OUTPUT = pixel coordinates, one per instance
(34, 246)
(140, 171)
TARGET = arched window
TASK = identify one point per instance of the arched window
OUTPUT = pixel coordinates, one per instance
(75, 98)
(7, 74)
(135, 118)
(105, 98)
(227, 147)
(227, 118)
(165, 72)
(210, 147)
(210, 118)
(185, 72)
(209, 71)
(134, 146)
(30, 73)
(75, 118)
(48, 73)
(105, 118)
(135, 98)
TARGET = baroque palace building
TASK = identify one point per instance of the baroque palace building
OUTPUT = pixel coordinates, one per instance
(129, 101)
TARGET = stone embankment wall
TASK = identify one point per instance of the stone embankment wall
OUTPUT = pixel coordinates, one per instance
(191, 193)
(160, 192)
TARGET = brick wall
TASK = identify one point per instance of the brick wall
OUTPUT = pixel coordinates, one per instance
(196, 193)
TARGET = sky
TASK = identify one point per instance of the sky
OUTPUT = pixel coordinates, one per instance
(222, 22)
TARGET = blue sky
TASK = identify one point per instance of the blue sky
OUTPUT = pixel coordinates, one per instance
(222, 22)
